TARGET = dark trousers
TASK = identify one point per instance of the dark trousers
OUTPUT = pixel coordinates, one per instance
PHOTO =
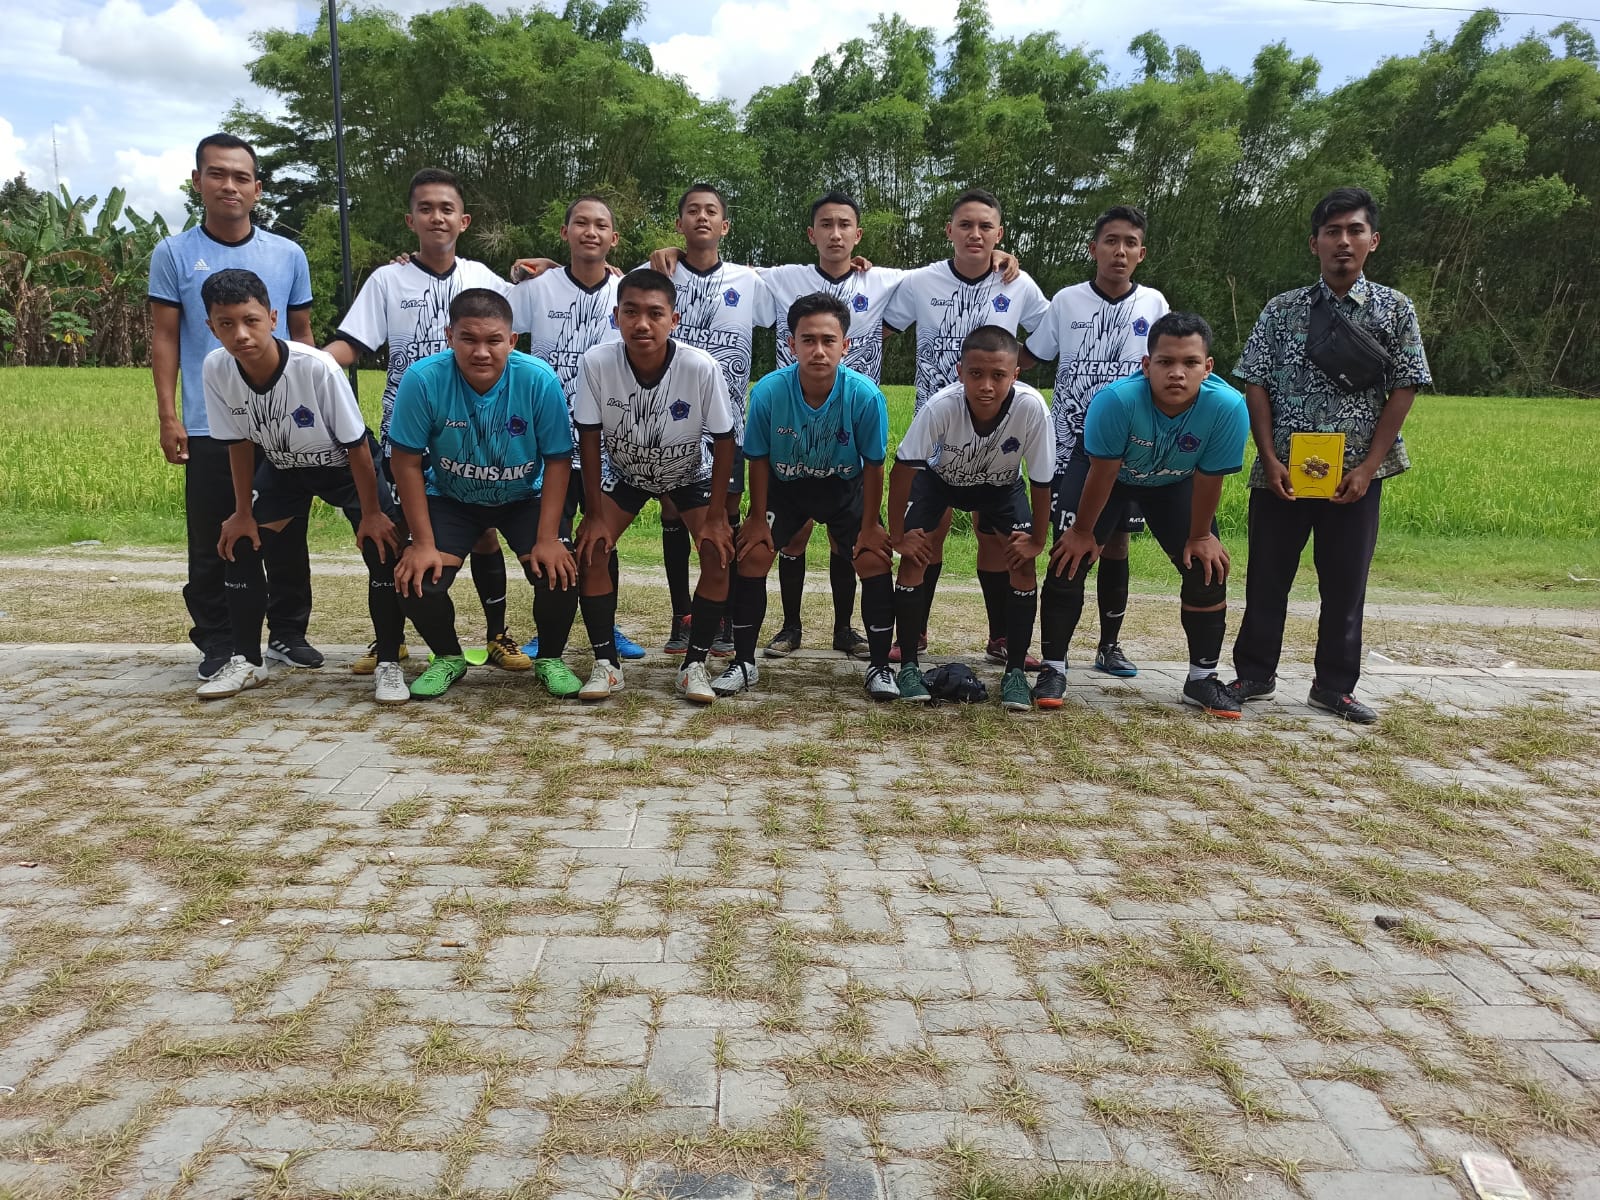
(207, 503)
(1343, 537)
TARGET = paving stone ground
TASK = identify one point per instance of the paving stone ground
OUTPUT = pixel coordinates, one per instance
(793, 945)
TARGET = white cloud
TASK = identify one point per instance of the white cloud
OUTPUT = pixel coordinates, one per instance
(10, 151)
(179, 44)
(152, 181)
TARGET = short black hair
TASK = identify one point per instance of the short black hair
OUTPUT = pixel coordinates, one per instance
(234, 285)
(1120, 212)
(588, 198)
(835, 197)
(977, 196)
(1178, 325)
(647, 279)
(1343, 200)
(480, 302)
(824, 304)
(226, 141)
(993, 339)
(434, 175)
(703, 187)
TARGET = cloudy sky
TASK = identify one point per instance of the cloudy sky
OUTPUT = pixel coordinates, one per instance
(126, 87)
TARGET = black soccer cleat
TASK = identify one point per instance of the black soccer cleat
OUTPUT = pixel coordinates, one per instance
(1246, 690)
(1342, 705)
(294, 651)
(1212, 695)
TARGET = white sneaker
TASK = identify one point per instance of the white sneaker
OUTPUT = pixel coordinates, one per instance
(604, 681)
(239, 674)
(739, 677)
(881, 684)
(693, 684)
(390, 686)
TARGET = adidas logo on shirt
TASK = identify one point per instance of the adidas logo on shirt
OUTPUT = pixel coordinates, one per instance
(200, 265)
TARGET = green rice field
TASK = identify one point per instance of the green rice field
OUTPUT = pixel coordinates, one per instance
(1500, 504)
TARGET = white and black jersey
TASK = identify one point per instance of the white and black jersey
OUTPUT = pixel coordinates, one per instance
(564, 320)
(718, 312)
(305, 415)
(945, 306)
(865, 293)
(1095, 341)
(406, 307)
(943, 440)
(657, 432)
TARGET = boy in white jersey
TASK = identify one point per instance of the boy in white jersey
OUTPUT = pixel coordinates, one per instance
(1096, 331)
(405, 306)
(660, 406)
(567, 310)
(292, 402)
(965, 450)
(946, 301)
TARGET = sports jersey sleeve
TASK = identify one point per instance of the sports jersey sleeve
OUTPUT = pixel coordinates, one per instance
(901, 311)
(366, 325)
(521, 299)
(917, 444)
(758, 415)
(872, 426)
(1223, 453)
(300, 289)
(716, 406)
(1105, 426)
(551, 427)
(341, 415)
(411, 425)
(1034, 307)
(219, 415)
(765, 314)
(1044, 342)
(164, 275)
(586, 400)
(1039, 450)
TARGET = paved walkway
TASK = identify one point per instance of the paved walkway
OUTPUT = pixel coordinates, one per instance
(793, 945)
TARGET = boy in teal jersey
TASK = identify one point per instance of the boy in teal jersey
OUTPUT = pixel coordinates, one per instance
(493, 422)
(815, 438)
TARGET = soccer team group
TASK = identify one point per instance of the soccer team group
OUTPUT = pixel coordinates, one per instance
(637, 388)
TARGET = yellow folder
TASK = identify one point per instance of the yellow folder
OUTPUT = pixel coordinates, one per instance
(1316, 464)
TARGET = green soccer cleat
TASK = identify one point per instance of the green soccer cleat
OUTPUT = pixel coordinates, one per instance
(1015, 694)
(911, 686)
(439, 678)
(557, 678)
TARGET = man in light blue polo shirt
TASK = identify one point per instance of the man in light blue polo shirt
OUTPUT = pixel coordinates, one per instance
(226, 177)
(1164, 439)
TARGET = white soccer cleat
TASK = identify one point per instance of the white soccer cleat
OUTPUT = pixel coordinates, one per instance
(604, 681)
(390, 684)
(239, 674)
(694, 685)
(881, 684)
(739, 677)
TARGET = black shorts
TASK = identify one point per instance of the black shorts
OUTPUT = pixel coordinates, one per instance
(996, 508)
(1066, 489)
(458, 526)
(573, 504)
(1165, 508)
(631, 498)
(736, 480)
(834, 503)
(288, 492)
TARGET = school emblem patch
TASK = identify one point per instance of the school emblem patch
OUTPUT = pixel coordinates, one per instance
(1188, 443)
(1002, 303)
(859, 302)
(679, 410)
(1011, 445)
(304, 417)
(516, 427)
(613, 319)
(1140, 327)
(731, 297)
(844, 437)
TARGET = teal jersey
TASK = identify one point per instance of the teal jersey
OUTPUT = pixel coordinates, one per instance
(831, 442)
(1155, 449)
(488, 449)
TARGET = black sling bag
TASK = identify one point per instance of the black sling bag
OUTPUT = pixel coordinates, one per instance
(1344, 351)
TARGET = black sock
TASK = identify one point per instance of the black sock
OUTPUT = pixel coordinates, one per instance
(705, 618)
(383, 606)
(996, 587)
(877, 614)
(747, 610)
(910, 618)
(554, 610)
(1111, 589)
(600, 620)
(288, 567)
(1020, 607)
(434, 615)
(489, 577)
(930, 583)
(1204, 631)
(791, 585)
(842, 580)
(1060, 608)
(675, 561)
(245, 582)
(615, 567)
